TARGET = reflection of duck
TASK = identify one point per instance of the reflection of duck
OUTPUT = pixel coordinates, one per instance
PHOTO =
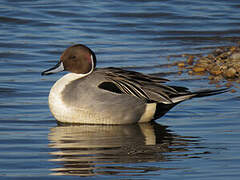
(88, 150)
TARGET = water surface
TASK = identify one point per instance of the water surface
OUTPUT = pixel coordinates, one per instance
(198, 139)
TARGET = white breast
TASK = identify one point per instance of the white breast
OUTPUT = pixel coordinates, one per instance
(57, 107)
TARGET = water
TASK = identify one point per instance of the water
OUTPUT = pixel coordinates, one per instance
(198, 139)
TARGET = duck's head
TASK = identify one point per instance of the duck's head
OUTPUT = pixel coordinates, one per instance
(77, 59)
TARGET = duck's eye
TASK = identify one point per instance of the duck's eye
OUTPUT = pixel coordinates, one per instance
(73, 57)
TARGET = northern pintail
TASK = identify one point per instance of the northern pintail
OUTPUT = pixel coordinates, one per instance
(90, 95)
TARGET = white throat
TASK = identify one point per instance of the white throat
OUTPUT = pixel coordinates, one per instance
(56, 104)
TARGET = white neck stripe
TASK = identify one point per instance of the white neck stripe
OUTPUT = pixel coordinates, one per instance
(86, 74)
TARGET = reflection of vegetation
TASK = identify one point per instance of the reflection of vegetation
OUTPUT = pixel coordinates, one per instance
(88, 150)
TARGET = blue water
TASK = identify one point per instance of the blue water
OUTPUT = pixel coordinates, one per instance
(198, 139)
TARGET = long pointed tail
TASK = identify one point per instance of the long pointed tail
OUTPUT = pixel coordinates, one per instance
(197, 94)
(209, 92)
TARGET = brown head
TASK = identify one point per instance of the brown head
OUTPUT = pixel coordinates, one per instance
(77, 59)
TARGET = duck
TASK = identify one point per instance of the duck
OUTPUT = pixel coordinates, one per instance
(110, 96)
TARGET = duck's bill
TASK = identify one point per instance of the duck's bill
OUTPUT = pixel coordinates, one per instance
(58, 68)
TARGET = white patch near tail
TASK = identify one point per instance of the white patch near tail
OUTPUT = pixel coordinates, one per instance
(149, 112)
(180, 98)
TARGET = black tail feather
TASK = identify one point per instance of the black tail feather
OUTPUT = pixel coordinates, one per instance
(209, 92)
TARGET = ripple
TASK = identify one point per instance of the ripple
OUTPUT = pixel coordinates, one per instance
(135, 35)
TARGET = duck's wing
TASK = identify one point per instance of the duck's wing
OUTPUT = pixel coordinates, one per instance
(148, 87)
